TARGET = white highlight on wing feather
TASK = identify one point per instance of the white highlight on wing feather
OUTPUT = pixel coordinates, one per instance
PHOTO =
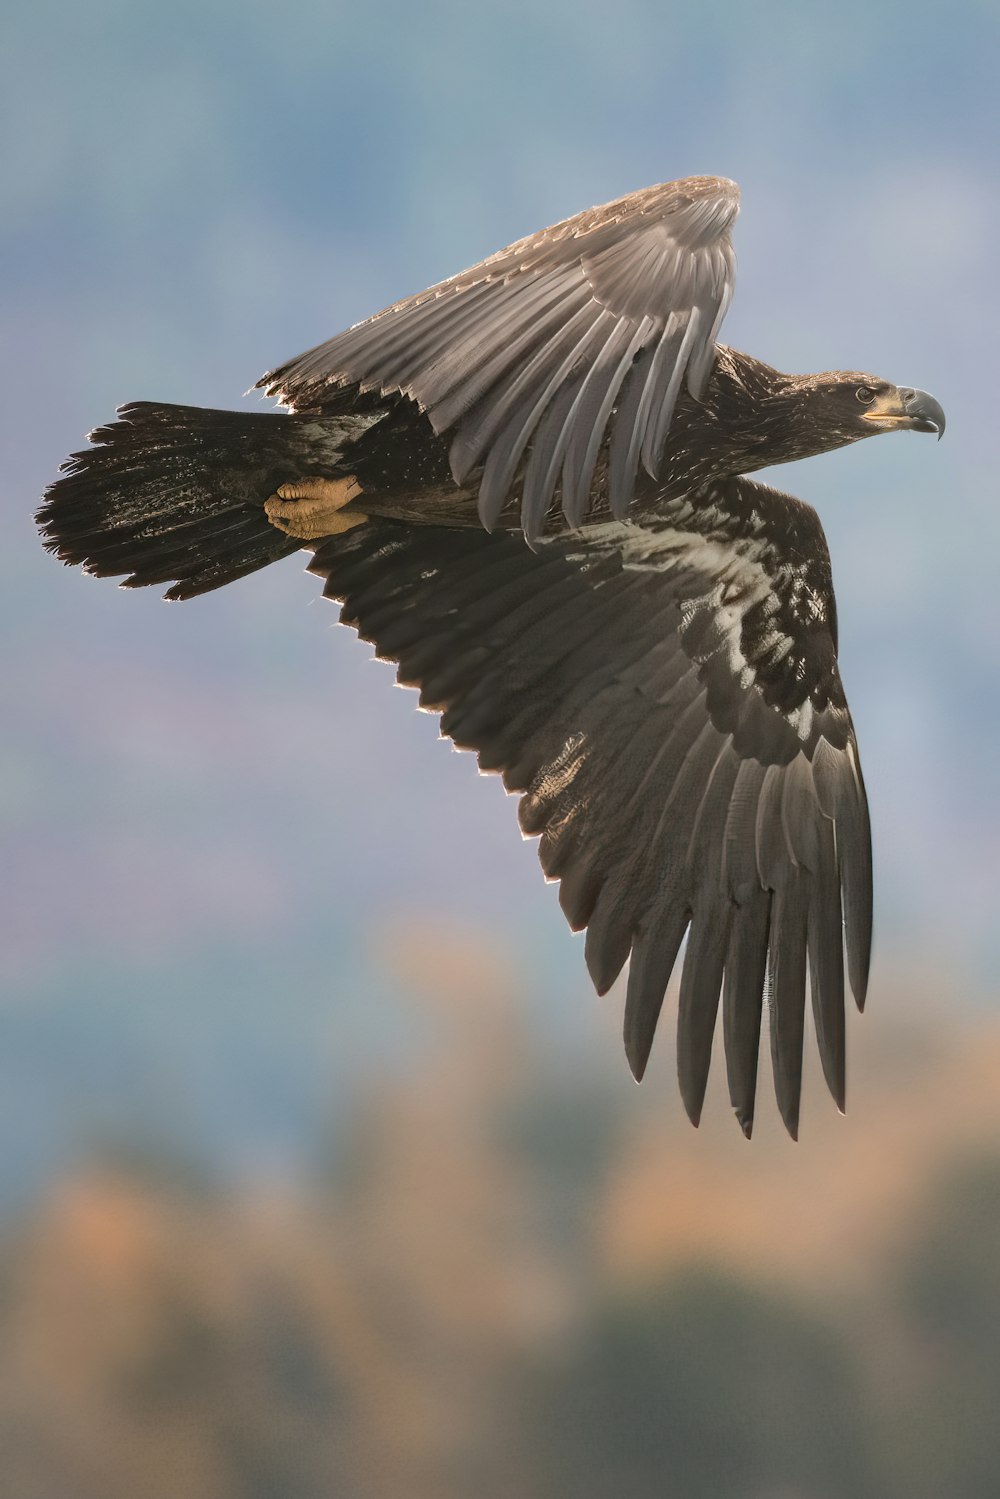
(743, 581)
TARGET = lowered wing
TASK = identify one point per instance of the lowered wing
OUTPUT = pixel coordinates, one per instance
(667, 700)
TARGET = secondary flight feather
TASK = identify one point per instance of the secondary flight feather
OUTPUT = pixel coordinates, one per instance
(527, 486)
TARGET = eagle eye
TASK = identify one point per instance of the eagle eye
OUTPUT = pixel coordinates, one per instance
(865, 394)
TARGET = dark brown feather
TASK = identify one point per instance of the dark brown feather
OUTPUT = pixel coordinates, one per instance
(675, 776)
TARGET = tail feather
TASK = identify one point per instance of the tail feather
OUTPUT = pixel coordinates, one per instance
(176, 494)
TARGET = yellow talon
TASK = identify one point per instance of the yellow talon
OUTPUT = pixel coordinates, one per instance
(310, 508)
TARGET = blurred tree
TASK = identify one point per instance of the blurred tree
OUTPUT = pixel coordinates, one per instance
(946, 1431)
(699, 1389)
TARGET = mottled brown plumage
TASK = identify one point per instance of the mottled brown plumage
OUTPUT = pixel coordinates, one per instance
(655, 671)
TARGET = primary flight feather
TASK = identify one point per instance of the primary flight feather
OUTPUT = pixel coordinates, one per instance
(527, 486)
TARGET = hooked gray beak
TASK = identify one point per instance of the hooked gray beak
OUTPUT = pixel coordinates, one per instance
(924, 412)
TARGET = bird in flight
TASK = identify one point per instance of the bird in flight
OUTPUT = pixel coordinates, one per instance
(527, 486)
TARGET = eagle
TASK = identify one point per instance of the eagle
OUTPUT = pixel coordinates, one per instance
(527, 486)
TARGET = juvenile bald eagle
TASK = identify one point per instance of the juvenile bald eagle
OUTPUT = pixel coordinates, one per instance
(527, 486)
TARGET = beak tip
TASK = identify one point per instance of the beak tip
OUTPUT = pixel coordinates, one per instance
(923, 408)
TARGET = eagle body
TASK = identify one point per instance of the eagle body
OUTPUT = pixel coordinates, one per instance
(750, 416)
(528, 487)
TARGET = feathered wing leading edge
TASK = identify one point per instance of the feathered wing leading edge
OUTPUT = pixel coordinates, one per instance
(582, 332)
(667, 700)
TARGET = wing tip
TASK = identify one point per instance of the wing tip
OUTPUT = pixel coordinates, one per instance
(693, 1107)
(858, 978)
(835, 1073)
(637, 1050)
(693, 1079)
(789, 1104)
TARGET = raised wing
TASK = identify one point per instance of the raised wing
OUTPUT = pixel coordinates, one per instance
(667, 699)
(534, 358)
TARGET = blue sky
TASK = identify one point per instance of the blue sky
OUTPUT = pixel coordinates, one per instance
(197, 191)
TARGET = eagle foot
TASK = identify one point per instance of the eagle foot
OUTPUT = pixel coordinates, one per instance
(310, 508)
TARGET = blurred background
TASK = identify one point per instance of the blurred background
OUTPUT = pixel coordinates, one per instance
(321, 1170)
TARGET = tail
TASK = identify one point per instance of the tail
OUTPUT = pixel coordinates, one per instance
(175, 494)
